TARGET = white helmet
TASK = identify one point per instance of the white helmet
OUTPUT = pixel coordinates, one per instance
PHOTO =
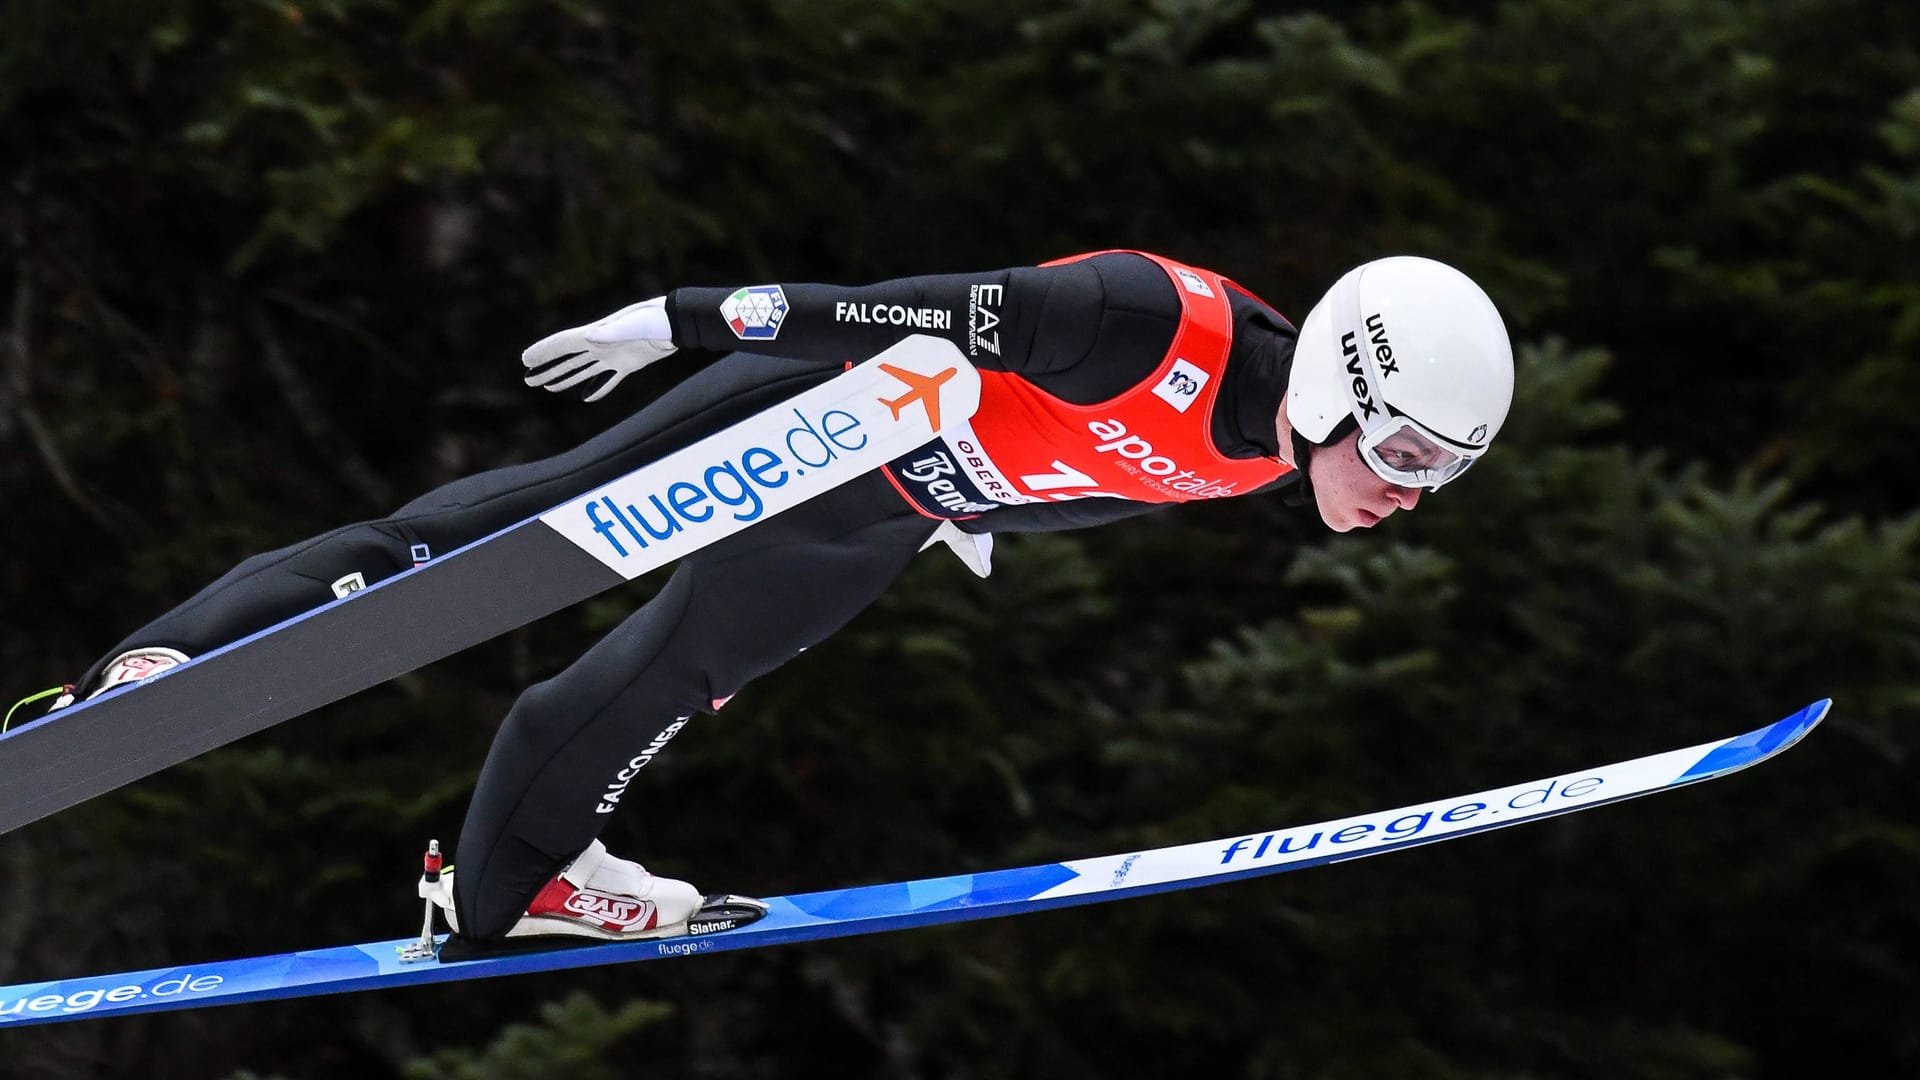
(1416, 354)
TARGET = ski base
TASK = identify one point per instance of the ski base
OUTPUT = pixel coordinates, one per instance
(898, 905)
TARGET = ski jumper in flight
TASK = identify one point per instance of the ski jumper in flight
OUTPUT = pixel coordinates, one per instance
(1113, 384)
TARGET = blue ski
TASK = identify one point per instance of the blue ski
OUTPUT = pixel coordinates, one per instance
(875, 908)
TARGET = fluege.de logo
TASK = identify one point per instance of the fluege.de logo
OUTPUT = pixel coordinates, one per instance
(772, 461)
(82, 1000)
(1554, 796)
(729, 487)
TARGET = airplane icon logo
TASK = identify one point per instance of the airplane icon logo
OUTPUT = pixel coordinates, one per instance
(924, 389)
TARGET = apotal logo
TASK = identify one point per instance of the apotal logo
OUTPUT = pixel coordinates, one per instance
(1160, 469)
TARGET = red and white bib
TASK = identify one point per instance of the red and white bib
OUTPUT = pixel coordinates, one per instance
(1151, 443)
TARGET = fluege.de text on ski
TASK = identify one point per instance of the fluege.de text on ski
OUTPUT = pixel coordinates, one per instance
(1462, 816)
(811, 442)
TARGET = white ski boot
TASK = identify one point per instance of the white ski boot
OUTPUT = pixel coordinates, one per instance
(129, 667)
(599, 898)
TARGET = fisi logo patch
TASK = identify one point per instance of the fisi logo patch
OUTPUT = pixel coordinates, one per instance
(756, 312)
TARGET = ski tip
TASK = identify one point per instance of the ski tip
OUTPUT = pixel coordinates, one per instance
(1786, 732)
(1756, 746)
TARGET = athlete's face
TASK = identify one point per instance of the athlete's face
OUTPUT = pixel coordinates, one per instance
(1349, 494)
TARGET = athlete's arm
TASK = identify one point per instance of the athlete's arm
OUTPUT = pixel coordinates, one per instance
(1085, 331)
(1042, 322)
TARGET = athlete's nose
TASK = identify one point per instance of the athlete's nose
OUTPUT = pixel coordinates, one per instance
(1404, 497)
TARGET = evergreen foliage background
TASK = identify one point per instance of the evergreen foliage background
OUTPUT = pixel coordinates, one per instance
(267, 268)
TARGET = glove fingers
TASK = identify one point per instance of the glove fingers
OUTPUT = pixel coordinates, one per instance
(607, 387)
(574, 379)
(554, 346)
(572, 365)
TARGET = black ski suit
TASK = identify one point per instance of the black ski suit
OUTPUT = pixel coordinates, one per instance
(1084, 332)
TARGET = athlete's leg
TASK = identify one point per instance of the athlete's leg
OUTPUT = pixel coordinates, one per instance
(571, 746)
(278, 585)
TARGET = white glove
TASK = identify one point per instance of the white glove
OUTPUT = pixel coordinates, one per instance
(619, 345)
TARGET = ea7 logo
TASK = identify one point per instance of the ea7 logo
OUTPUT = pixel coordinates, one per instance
(983, 334)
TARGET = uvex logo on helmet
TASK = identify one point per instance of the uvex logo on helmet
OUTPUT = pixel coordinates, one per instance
(1362, 386)
(1382, 348)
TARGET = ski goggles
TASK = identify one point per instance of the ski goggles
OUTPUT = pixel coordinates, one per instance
(1401, 451)
(1398, 448)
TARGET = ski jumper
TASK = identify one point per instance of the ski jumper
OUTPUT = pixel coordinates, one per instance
(1120, 383)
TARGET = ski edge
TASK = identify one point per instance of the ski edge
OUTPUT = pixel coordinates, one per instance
(797, 917)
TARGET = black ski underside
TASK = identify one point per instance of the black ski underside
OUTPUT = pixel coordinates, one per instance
(425, 614)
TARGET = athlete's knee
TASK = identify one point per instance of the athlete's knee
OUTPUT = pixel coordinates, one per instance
(492, 888)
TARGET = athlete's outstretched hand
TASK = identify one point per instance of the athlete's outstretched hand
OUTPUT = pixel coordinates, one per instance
(618, 345)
